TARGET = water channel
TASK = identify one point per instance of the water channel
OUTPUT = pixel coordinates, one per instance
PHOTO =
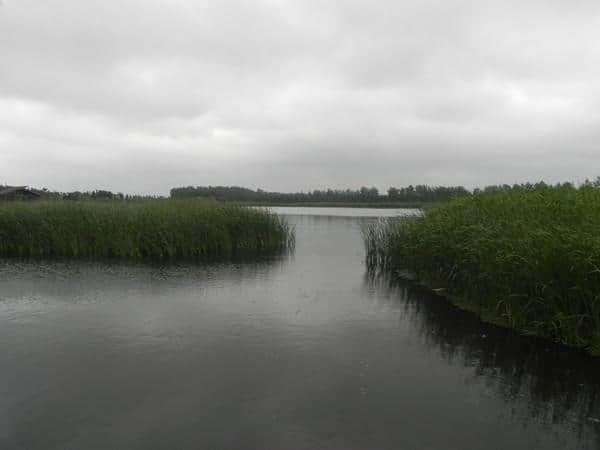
(302, 351)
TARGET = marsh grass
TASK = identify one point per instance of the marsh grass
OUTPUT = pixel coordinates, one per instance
(139, 230)
(527, 260)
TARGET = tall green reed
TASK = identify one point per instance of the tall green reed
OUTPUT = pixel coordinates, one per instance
(527, 260)
(145, 230)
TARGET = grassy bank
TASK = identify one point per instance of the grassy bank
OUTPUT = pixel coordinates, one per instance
(153, 230)
(527, 260)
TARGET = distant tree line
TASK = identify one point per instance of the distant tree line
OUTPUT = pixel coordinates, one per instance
(104, 195)
(87, 195)
(418, 193)
(492, 189)
(240, 194)
(425, 193)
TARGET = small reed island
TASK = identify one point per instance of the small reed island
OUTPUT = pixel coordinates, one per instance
(139, 230)
(527, 260)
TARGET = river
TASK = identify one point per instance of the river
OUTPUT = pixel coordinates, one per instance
(302, 351)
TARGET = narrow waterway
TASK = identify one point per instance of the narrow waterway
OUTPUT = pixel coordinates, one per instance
(300, 352)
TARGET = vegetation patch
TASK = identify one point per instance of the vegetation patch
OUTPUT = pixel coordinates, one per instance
(152, 230)
(529, 260)
(337, 197)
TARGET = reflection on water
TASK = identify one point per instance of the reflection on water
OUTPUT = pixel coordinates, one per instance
(559, 385)
(294, 352)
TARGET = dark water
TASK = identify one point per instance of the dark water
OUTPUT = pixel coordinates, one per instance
(302, 352)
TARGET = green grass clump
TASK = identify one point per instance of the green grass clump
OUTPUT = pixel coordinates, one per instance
(139, 230)
(528, 260)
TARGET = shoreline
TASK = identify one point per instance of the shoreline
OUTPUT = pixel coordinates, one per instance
(417, 205)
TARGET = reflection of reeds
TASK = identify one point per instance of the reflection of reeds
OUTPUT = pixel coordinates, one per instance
(557, 384)
(149, 230)
(528, 260)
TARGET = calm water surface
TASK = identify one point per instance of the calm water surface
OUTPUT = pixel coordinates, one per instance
(301, 352)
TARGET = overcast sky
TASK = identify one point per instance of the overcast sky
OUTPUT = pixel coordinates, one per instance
(142, 95)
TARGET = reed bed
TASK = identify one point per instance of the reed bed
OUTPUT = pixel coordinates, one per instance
(139, 230)
(526, 260)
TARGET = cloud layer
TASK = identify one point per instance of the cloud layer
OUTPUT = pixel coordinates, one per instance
(141, 96)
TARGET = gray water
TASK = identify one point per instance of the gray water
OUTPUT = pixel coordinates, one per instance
(304, 351)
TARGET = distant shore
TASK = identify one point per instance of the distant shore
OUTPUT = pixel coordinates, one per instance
(386, 205)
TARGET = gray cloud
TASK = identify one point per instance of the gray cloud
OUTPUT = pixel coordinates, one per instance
(140, 96)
